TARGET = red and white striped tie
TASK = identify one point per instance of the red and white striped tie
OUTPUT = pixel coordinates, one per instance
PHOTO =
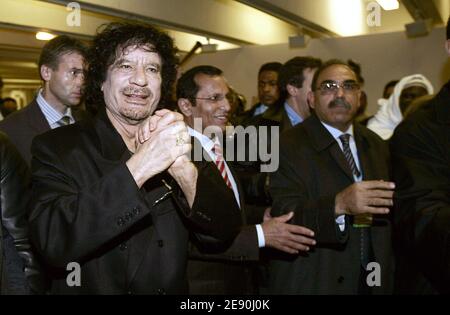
(220, 163)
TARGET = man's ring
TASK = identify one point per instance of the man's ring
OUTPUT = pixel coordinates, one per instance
(179, 140)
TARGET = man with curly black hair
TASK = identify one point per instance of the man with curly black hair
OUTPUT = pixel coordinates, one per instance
(112, 195)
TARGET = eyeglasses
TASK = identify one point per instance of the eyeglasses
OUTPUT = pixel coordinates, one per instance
(331, 87)
(218, 98)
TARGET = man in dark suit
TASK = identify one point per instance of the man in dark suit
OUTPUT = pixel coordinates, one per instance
(333, 174)
(115, 207)
(295, 78)
(294, 83)
(268, 93)
(202, 94)
(61, 67)
(421, 167)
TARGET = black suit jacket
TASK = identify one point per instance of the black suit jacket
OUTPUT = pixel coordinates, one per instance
(16, 255)
(225, 269)
(420, 150)
(313, 169)
(25, 124)
(88, 209)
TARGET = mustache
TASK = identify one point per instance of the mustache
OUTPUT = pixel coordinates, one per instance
(136, 91)
(340, 102)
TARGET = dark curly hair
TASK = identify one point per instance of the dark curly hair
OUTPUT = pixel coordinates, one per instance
(111, 41)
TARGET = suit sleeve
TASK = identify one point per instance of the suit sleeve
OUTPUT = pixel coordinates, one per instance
(15, 193)
(243, 248)
(71, 220)
(288, 187)
(422, 202)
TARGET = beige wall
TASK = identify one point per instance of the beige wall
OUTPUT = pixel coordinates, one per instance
(383, 57)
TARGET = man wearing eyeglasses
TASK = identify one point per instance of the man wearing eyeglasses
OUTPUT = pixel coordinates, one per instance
(334, 175)
(203, 99)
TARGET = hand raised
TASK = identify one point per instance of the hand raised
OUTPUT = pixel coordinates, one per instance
(168, 141)
(160, 118)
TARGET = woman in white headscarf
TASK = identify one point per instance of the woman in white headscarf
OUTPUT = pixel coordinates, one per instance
(391, 111)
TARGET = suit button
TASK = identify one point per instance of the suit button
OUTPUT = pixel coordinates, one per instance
(161, 291)
(120, 222)
(129, 293)
(160, 243)
(128, 216)
(123, 246)
(136, 210)
(341, 279)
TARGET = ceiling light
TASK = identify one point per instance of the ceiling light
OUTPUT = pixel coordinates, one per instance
(388, 5)
(44, 36)
(209, 48)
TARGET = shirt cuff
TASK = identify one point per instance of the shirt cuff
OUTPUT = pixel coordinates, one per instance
(340, 220)
(261, 239)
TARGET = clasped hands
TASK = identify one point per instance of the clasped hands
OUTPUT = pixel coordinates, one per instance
(162, 142)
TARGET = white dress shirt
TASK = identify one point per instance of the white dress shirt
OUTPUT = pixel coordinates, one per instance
(336, 133)
(52, 115)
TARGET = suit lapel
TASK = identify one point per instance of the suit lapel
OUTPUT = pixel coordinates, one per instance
(36, 118)
(340, 159)
(204, 164)
(363, 148)
(322, 140)
(114, 151)
(285, 123)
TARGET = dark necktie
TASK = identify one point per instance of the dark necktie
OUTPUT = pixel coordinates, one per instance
(345, 139)
(361, 221)
(64, 121)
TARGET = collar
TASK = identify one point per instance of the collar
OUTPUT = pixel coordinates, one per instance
(111, 143)
(336, 133)
(260, 109)
(206, 142)
(292, 114)
(51, 114)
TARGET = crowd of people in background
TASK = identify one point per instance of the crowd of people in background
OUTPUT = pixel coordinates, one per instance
(98, 172)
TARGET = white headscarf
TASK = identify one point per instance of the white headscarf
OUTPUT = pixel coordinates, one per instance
(389, 115)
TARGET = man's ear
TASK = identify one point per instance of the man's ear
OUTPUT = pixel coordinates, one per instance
(311, 99)
(292, 90)
(46, 73)
(185, 106)
(447, 46)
